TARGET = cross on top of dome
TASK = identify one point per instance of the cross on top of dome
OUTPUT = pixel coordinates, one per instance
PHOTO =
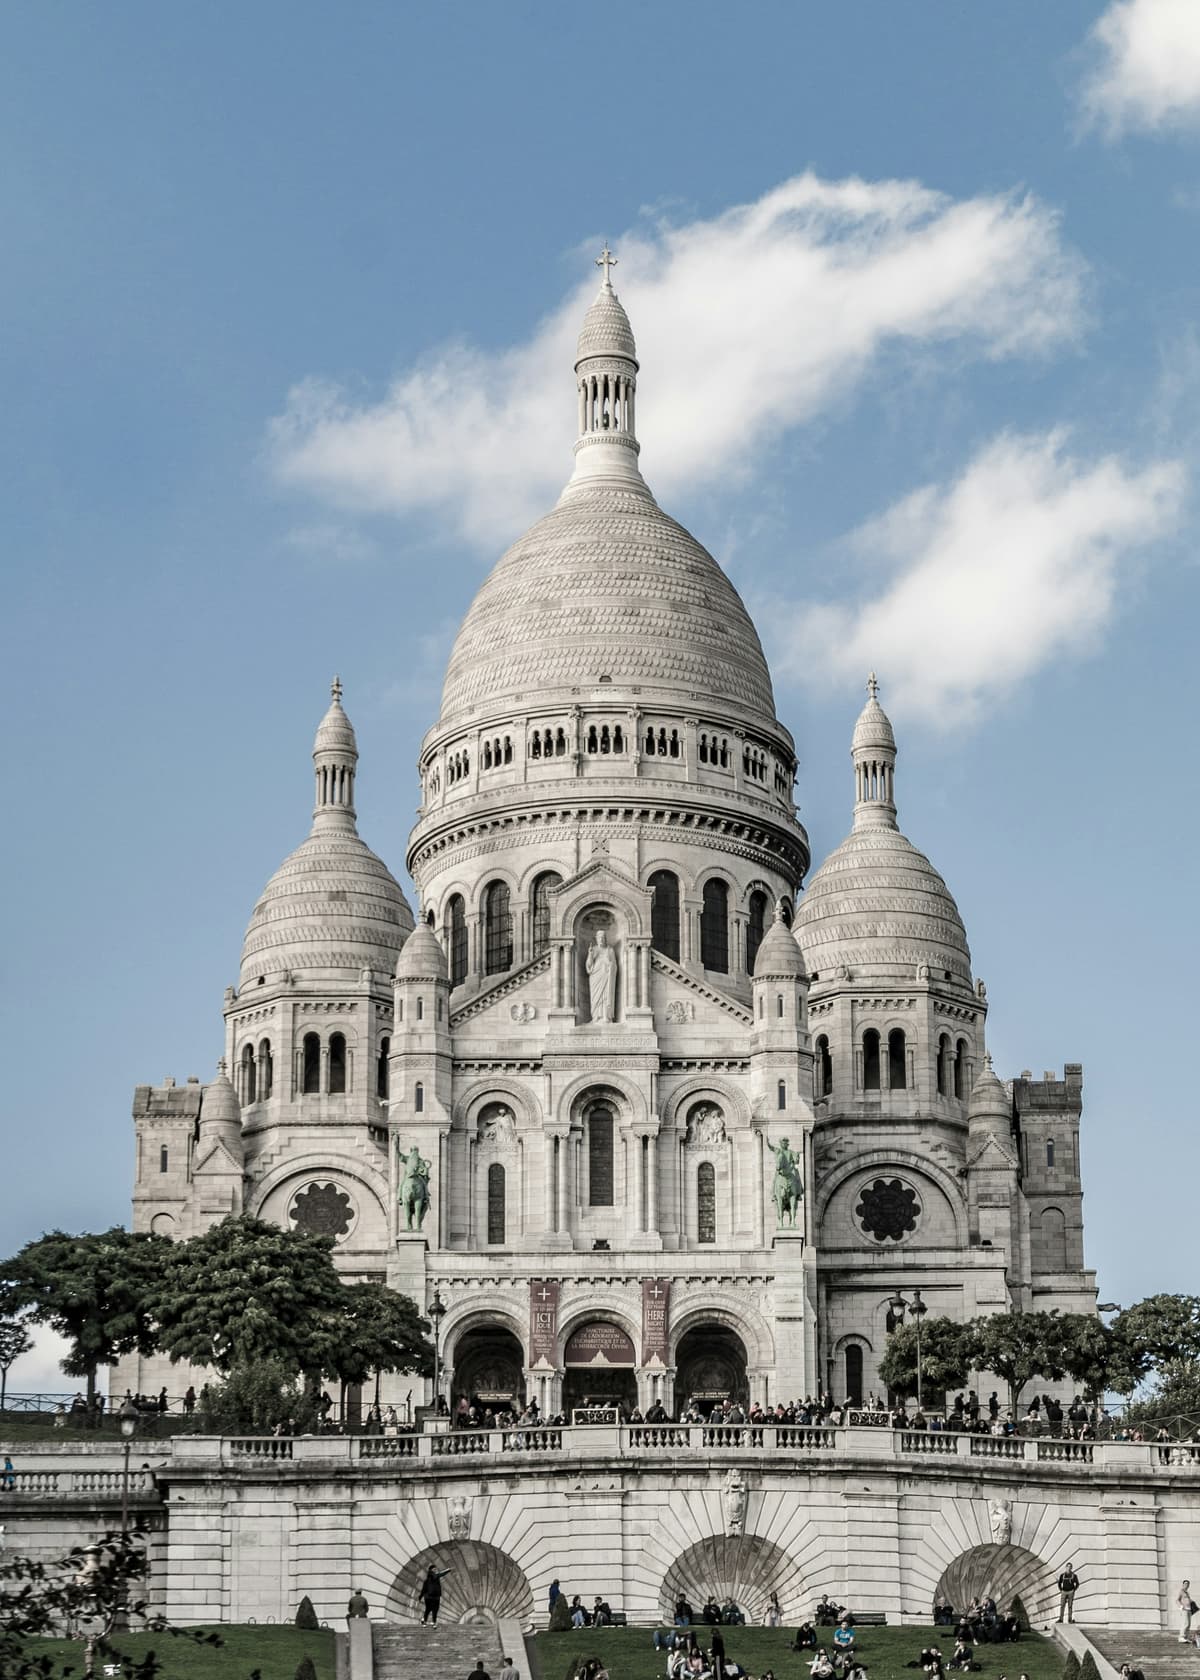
(606, 260)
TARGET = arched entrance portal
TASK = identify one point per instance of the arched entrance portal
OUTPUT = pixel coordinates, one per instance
(483, 1585)
(743, 1567)
(599, 1361)
(710, 1362)
(1003, 1573)
(488, 1369)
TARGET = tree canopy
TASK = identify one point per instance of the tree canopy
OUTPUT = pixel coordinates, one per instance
(93, 1289)
(377, 1329)
(945, 1348)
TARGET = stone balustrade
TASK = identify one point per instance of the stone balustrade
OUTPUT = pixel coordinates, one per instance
(102, 1485)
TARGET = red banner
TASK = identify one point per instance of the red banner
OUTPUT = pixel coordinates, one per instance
(656, 1297)
(543, 1322)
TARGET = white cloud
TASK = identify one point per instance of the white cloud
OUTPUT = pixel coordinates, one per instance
(749, 323)
(1147, 74)
(1019, 561)
(39, 1370)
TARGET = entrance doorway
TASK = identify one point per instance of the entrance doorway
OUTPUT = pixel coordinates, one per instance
(489, 1370)
(599, 1360)
(710, 1362)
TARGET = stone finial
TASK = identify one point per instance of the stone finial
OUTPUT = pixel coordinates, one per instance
(335, 688)
(873, 686)
(222, 1067)
(606, 260)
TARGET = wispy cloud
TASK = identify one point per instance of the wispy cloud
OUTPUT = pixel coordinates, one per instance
(751, 322)
(1146, 73)
(1019, 561)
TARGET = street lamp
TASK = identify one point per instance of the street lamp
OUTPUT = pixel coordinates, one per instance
(918, 1309)
(437, 1312)
(129, 1423)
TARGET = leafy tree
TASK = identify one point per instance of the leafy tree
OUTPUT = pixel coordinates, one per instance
(1092, 1355)
(1071, 1667)
(94, 1290)
(945, 1357)
(86, 1592)
(14, 1338)
(1019, 1347)
(1157, 1332)
(560, 1615)
(375, 1329)
(245, 1291)
(1087, 1668)
(1174, 1404)
(306, 1616)
(256, 1399)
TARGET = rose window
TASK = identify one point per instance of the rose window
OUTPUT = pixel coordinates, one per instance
(322, 1210)
(888, 1209)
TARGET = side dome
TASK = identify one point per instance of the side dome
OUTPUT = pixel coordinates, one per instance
(877, 907)
(779, 957)
(607, 588)
(332, 908)
(422, 957)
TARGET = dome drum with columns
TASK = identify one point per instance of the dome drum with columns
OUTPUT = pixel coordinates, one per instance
(685, 1127)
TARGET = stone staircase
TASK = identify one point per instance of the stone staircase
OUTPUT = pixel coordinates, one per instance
(446, 1652)
(1160, 1656)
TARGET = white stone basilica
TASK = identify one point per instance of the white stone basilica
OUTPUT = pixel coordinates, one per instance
(618, 1033)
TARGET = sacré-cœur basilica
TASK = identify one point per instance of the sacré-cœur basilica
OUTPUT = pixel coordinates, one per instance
(656, 1119)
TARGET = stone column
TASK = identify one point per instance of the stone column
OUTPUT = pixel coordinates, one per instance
(562, 1150)
(652, 1182)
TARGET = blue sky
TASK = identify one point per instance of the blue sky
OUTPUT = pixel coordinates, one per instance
(288, 298)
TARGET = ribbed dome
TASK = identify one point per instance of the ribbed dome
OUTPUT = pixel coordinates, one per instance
(422, 957)
(988, 1096)
(606, 330)
(607, 586)
(335, 732)
(779, 957)
(873, 729)
(219, 1104)
(332, 907)
(878, 907)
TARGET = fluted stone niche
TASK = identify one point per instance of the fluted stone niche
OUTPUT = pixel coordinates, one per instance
(1002, 1573)
(483, 1584)
(744, 1567)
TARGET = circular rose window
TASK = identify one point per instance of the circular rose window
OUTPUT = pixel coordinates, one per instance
(888, 1209)
(322, 1210)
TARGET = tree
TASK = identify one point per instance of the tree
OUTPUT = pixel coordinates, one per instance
(1174, 1404)
(1071, 1667)
(86, 1592)
(306, 1615)
(1092, 1355)
(1087, 1668)
(1019, 1347)
(245, 1291)
(1157, 1332)
(258, 1398)
(94, 1290)
(375, 1329)
(945, 1357)
(14, 1338)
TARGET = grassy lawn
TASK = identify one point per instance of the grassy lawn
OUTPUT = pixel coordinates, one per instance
(274, 1651)
(630, 1654)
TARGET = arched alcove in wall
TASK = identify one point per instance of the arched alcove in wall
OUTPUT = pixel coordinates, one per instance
(744, 1567)
(483, 1584)
(1003, 1573)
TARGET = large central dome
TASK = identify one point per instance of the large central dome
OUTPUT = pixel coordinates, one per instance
(607, 587)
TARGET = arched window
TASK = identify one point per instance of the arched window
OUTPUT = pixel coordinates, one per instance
(420, 1008)
(541, 910)
(249, 1094)
(164, 1158)
(495, 1203)
(870, 1060)
(1054, 1240)
(823, 1067)
(266, 1070)
(418, 1098)
(854, 1375)
(600, 1156)
(664, 913)
(337, 1065)
(311, 1079)
(781, 1094)
(756, 926)
(960, 1068)
(381, 1069)
(497, 929)
(706, 1202)
(943, 1065)
(714, 927)
(1050, 1152)
(897, 1060)
(456, 938)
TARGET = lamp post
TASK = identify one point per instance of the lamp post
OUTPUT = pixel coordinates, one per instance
(437, 1311)
(918, 1309)
(129, 1422)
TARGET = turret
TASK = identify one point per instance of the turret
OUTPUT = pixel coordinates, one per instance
(873, 750)
(220, 1153)
(606, 369)
(220, 1115)
(781, 1057)
(335, 756)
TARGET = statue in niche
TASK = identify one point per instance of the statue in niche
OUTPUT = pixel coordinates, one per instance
(414, 1186)
(497, 1127)
(602, 978)
(734, 1494)
(788, 1188)
(706, 1125)
(1001, 1517)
